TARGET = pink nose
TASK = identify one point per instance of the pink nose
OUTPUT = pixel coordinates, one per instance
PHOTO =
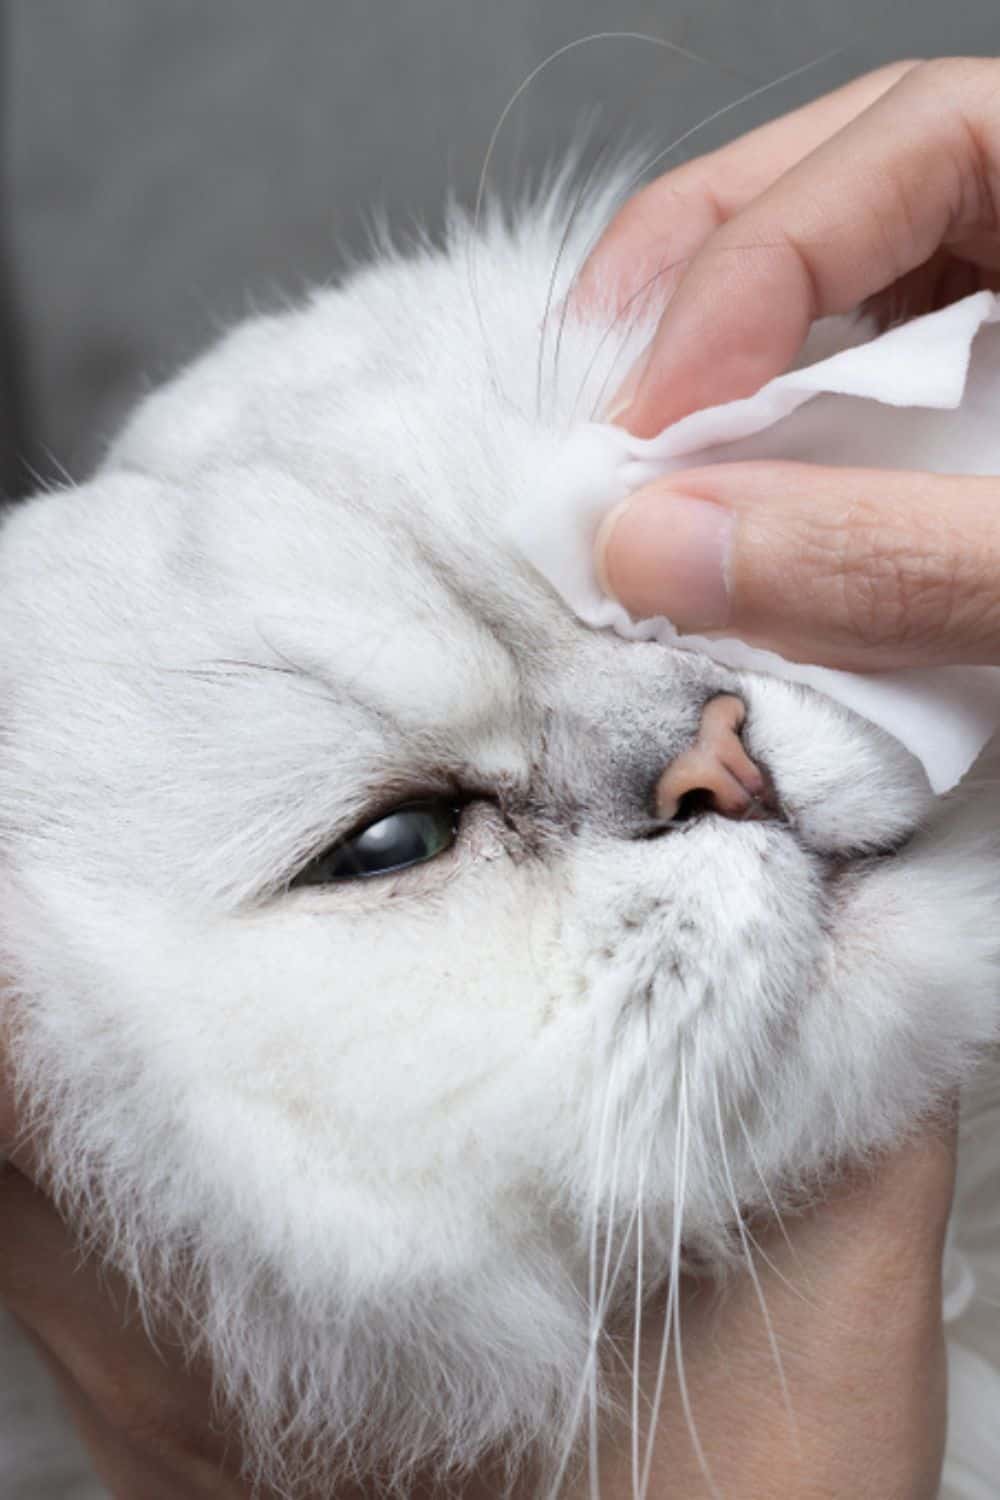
(715, 774)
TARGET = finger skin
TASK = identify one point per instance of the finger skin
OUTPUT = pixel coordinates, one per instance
(853, 1294)
(917, 169)
(854, 1299)
(661, 227)
(145, 1415)
(851, 568)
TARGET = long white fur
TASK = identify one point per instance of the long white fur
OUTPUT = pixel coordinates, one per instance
(351, 1139)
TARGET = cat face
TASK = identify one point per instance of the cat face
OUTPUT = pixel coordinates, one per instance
(371, 1129)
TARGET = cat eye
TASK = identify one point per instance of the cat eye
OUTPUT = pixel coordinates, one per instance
(409, 835)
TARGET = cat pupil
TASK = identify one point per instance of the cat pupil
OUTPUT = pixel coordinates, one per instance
(407, 836)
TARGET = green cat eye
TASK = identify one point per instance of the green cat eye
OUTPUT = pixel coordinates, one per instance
(407, 836)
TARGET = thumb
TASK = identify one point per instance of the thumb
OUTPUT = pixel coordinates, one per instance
(853, 568)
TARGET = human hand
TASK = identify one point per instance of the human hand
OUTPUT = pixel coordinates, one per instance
(144, 1412)
(889, 190)
(853, 1297)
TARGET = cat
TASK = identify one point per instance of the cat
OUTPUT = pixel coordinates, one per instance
(359, 995)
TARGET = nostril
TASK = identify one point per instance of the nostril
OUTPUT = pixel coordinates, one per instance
(693, 803)
(715, 774)
(696, 783)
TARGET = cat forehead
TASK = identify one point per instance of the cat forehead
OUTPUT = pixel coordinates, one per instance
(410, 380)
(354, 460)
(330, 486)
(248, 569)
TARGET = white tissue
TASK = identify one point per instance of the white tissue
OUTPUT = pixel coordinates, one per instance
(924, 396)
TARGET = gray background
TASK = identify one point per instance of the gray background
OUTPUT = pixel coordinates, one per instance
(169, 164)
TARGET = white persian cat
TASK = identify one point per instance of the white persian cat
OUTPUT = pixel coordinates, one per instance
(362, 996)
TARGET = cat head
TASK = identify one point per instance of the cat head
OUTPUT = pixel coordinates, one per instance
(357, 992)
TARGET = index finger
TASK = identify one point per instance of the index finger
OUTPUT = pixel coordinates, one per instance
(659, 229)
(918, 169)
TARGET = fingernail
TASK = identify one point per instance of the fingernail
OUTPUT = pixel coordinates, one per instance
(628, 390)
(660, 553)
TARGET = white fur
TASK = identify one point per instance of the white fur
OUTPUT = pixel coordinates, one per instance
(363, 1140)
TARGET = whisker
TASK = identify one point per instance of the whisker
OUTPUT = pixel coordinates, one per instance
(774, 1268)
(725, 109)
(672, 1317)
(584, 41)
(639, 1274)
(597, 1312)
(755, 1278)
(623, 312)
(636, 1355)
(674, 145)
(661, 1365)
(776, 1271)
(763, 1180)
(584, 1385)
(571, 218)
(686, 1405)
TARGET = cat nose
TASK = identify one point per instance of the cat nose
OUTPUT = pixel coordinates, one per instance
(715, 774)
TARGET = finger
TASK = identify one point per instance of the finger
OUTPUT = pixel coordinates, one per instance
(8, 1114)
(890, 1217)
(144, 1412)
(851, 1342)
(849, 568)
(651, 240)
(919, 168)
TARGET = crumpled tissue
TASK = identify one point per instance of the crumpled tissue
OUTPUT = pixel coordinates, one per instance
(924, 396)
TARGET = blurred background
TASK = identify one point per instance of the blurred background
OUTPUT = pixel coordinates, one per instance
(169, 165)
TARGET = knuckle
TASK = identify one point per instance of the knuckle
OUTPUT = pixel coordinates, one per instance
(895, 72)
(953, 102)
(937, 72)
(668, 200)
(957, 89)
(640, 214)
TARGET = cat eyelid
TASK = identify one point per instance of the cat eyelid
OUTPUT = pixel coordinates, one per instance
(411, 834)
(402, 797)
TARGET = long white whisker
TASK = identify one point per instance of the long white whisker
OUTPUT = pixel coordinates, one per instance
(583, 41)
(672, 1319)
(587, 41)
(666, 151)
(620, 318)
(686, 1405)
(597, 1310)
(578, 200)
(774, 1268)
(639, 1291)
(751, 1267)
(726, 109)
(763, 1181)
(777, 1271)
(584, 1384)
(661, 1365)
(636, 1355)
